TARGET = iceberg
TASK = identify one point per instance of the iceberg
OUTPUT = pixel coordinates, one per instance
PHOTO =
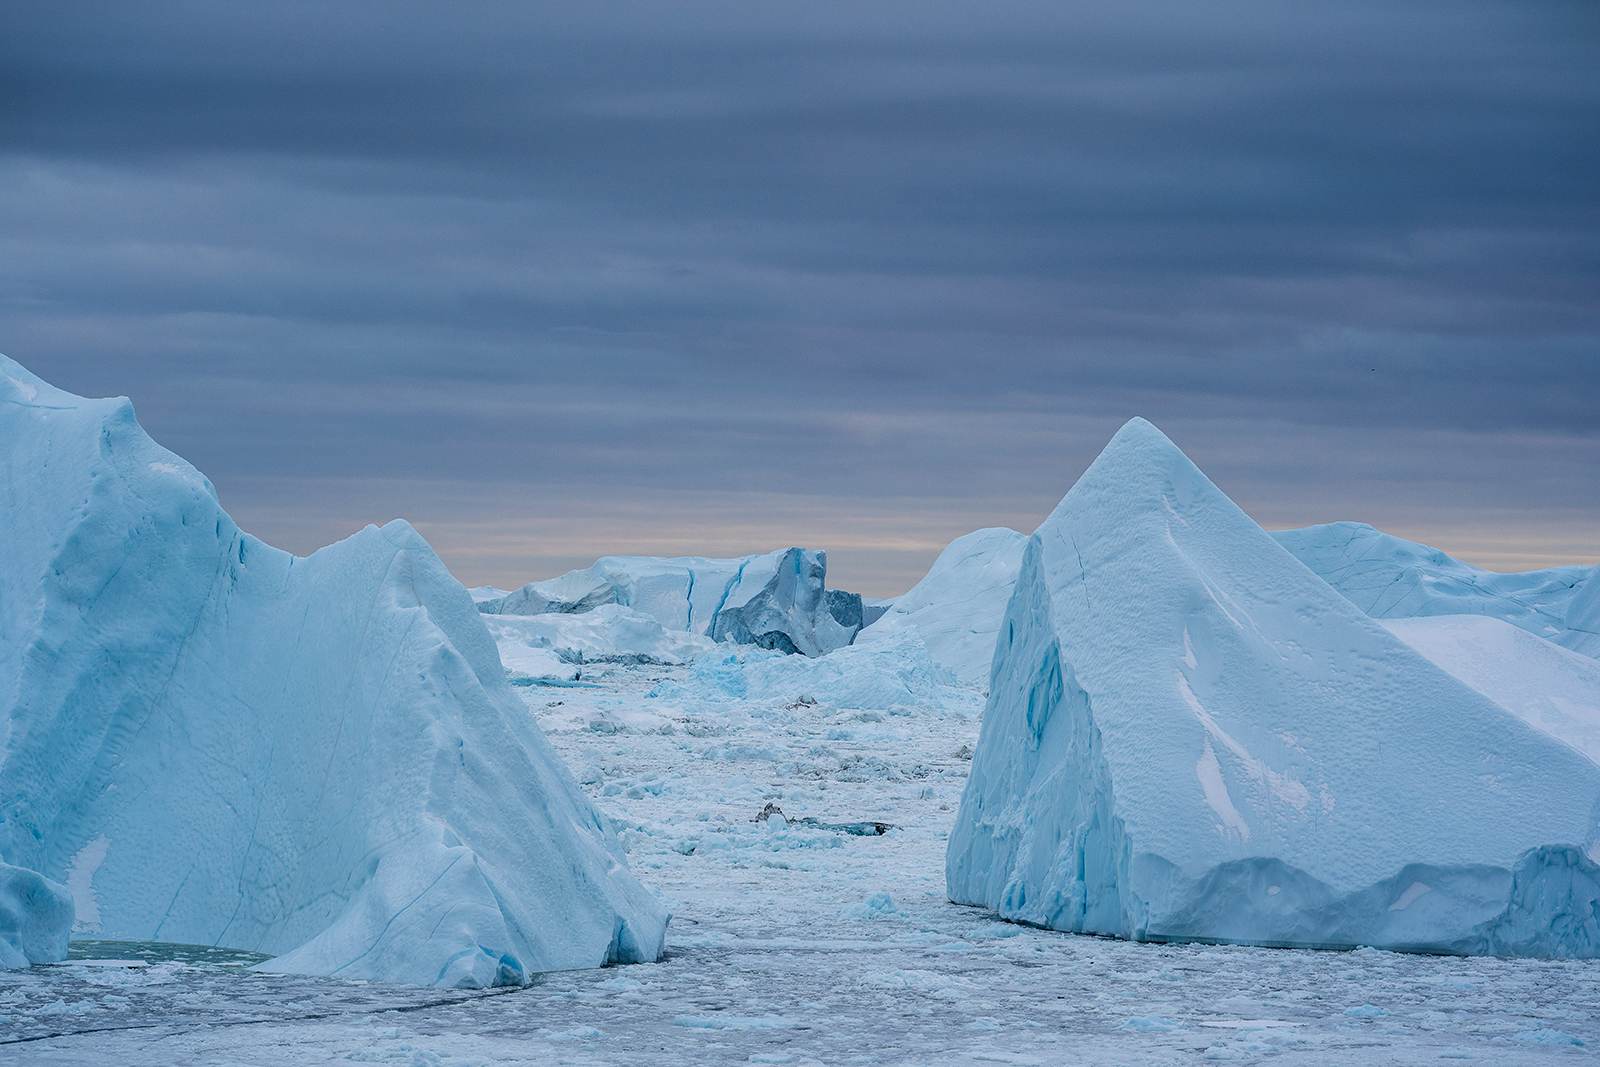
(1190, 736)
(35, 918)
(777, 600)
(957, 607)
(317, 758)
(1392, 578)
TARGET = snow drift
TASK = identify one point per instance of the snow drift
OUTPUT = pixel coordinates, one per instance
(778, 600)
(956, 608)
(35, 918)
(1190, 736)
(1391, 578)
(317, 758)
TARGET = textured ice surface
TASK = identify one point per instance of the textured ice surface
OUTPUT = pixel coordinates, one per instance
(807, 947)
(778, 600)
(35, 918)
(1189, 736)
(1545, 685)
(1391, 578)
(956, 608)
(317, 758)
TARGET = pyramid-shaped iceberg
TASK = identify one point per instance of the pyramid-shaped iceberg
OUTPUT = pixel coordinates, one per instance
(1190, 736)
(317, 758)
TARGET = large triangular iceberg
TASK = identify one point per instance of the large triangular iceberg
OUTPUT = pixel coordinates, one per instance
(214, 741)
(1191, 736)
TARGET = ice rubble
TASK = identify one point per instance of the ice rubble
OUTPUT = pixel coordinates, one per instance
(1391, 578)
(956, 608)
(1190, 736)
(777, 600)
(610, 633)
(317, 758)
(35, 918)
(1548, 687)
(883, 676)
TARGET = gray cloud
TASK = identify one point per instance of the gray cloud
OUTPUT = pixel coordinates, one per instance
(659, 277)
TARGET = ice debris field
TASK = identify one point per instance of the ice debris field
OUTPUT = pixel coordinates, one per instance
(256, 806)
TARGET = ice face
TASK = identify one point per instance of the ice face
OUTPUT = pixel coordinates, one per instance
(777, 600)
(317, 758)
(956, 608)
(1391, 578)
(1190, 736)
(35, 918)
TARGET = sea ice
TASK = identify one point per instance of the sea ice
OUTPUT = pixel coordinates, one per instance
(610, 633)
(1191, 737)
(318, 758)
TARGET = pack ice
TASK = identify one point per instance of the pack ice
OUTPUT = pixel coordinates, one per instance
(1392, 578)
(209, 740)
(778, 600)
(1190, 736)
(956, 608)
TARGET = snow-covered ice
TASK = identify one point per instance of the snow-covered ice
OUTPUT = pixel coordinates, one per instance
(776, 600)
(1548, 687)
(1190, 736)
(213, 741)
(956, 608)
(1391, 578)
(35, 918)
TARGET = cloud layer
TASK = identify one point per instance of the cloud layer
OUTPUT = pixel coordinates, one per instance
(720, 277)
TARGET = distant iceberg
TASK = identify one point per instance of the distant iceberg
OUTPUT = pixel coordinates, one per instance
(1191, 737)
(777, 600)
(957, 607)
(1391, 578)
(216, 742)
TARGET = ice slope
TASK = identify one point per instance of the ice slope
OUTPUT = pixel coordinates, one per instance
(1549, 688)
(1191, 736)
(1391, 578)
(776, 600)
(957, 607)
(35, 918)
(317, 758)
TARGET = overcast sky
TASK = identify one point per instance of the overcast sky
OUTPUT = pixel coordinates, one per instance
(554, 281)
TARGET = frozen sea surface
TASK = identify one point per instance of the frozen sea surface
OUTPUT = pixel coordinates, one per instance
(796, 944)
